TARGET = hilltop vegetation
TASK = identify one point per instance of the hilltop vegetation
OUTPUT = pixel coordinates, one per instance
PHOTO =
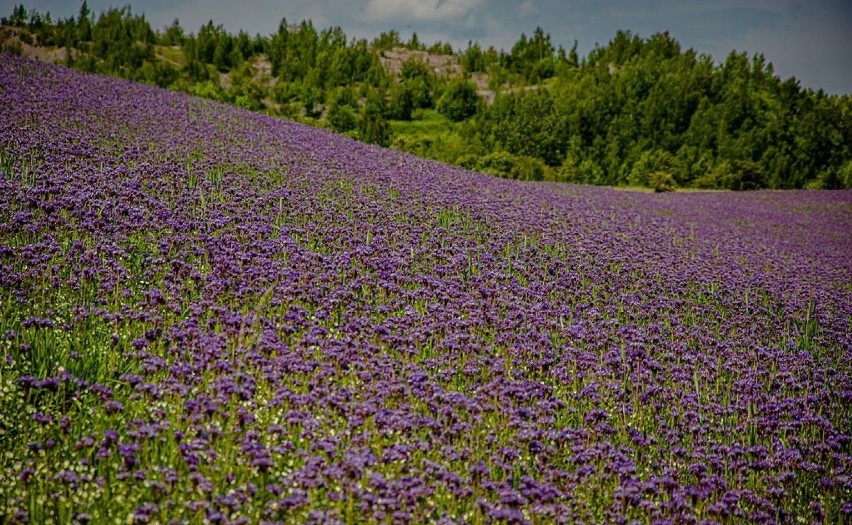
(637, 111)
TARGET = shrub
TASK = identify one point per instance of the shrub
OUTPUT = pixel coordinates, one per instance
(468, 161)
(662, 181)
(342, 118)
(373, 128)
(497, 163)
(459, 101)
(529, 168)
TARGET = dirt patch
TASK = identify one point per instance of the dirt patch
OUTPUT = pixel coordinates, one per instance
(10, 41)
(442, 65)
(261, 72)
(446, 66)
(159, 52)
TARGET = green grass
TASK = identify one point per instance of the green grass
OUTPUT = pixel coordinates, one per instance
(430, 135)
(170, 54)
(423, 122)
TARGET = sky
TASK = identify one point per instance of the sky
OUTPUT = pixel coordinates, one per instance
(810, 40)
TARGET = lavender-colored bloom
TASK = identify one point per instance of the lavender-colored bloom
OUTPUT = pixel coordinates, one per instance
(277, 318)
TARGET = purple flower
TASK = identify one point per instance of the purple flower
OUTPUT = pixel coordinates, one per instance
(279, 318)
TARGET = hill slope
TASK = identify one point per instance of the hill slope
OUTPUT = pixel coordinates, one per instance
(638, 111)
(208, 313)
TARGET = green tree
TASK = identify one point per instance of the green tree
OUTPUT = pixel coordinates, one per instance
(653, 162)
(387, 41)
(473, 60)
(372, 126)
(84, 23)
(459, 101)
(173, 35)
(245, 91)
(401, 102)
(18, 18)
(342, 117)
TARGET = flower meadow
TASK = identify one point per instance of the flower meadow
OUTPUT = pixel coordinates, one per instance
(213, 316)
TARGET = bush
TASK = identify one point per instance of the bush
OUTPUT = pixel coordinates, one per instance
(569, 171)
(529, 168)
(650, 162)
(459, 101)
(833, 178)
(468, 161)
(497, 163)
(342, 118)
(714, 177)
(662, 181)
(748, 176)
(504, 164)
(374, 129)
(401, 103)
(12, 47)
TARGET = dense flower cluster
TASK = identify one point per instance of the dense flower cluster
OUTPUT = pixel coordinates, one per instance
(212, 315)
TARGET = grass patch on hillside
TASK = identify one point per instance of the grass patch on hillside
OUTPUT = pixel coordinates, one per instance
(428, 134)
(172, 54)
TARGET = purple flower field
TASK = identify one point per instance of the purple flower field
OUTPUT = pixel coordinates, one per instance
(209, 315)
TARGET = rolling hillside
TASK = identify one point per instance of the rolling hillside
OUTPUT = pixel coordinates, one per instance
(211, 314)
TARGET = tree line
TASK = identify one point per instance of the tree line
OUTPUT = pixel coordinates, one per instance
(636, 111)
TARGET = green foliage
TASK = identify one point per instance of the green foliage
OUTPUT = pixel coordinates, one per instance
(18, 18)
(414, 68)
(498, 163)
(311, 100)
(159, 73)
(293, 53)
(372, 126)
(473, 60)
(387, 41)
(662, 181)
(419, 81)
(734, 175)
(213, 45)
(246, 92)
(844, 176)
(468, 161)
(533, 57)
(504, 164)
(342, 117)
(459, 101)
(122, 43)
(653, 163)
(526, 124)
(441, 48)
(432, 135)
(637, 106)
(746, 175)
(284, 92)
(401, 103)
(374, 129)
(530, 168)
(173, 34)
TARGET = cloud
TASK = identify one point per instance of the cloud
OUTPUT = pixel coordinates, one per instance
(418, 10)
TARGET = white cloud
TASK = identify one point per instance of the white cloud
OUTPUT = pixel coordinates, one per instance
(418, 10)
